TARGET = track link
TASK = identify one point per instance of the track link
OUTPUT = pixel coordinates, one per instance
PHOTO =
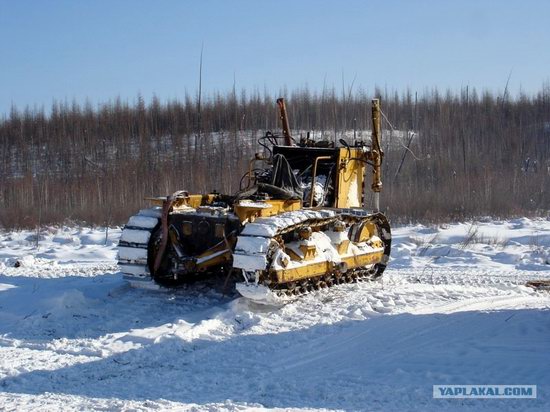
(254, 251)
(133, 247)
(326, 281)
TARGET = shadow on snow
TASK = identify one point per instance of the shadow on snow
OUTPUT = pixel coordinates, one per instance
(387, 362)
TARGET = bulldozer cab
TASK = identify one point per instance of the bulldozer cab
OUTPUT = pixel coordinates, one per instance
(325, 176)
(329, 177)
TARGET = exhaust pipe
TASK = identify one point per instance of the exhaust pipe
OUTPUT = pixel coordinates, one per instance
(284, 120)
(376, 153)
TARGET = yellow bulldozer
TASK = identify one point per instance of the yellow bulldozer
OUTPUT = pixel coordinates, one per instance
(300, 222)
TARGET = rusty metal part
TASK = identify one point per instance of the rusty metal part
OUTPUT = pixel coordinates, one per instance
(284, 120)
(166, 208)
(376, 153)
(539, 284)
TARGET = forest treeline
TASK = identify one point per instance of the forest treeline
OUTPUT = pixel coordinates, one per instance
(452, 155)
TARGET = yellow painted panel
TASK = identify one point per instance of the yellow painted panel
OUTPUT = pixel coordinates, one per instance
(350, 176)
(325, 267)
(274, 207)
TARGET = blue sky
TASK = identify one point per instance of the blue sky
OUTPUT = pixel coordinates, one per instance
(102, 49)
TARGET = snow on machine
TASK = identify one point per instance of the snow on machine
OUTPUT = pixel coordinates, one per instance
(300, 224)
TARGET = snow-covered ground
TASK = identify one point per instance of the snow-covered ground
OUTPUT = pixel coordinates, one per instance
(451, 308)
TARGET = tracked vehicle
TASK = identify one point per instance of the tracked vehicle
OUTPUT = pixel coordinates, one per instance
(300, 223)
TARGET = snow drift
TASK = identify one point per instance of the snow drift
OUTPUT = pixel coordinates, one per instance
(451, 308)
